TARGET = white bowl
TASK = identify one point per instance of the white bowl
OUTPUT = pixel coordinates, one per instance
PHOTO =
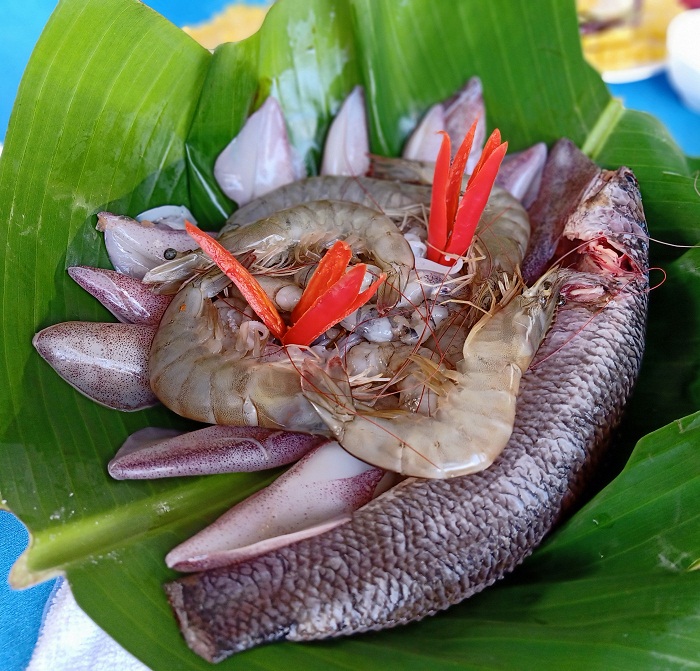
(683, 45)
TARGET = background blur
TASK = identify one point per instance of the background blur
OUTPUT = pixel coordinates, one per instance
(21, 22)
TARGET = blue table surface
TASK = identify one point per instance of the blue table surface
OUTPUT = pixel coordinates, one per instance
(20, 25)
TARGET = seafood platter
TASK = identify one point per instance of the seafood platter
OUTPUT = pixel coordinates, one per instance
(346, 378)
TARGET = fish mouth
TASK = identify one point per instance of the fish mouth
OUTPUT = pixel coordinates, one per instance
(607, 241)
(601, 268)
(599, 254)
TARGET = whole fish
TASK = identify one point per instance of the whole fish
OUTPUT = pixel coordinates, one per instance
(427, 544)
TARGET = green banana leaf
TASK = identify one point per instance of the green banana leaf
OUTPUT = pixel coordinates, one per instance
(119, 110)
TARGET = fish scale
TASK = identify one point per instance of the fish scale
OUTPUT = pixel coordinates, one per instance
(427, 544)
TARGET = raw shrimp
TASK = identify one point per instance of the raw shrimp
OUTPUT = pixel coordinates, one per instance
(203, 369)
(501, 236)
(490, 276)
(380, 194)
(475, 410)
(395, 199)
(299, 234)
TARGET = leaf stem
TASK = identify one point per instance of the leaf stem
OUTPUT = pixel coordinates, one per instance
(54, 548)
(604, 127)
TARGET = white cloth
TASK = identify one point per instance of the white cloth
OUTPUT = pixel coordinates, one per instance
(70, 641)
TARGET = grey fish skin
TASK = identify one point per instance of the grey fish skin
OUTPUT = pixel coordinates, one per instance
(428, 544)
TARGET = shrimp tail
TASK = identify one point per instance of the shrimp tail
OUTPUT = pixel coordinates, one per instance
(169, 277)
(328, 389)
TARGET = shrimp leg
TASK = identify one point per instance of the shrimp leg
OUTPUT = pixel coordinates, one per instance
(475, 415)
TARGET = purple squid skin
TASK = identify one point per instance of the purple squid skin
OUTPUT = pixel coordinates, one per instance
(427, 544)
(565, 176)
(128, 299)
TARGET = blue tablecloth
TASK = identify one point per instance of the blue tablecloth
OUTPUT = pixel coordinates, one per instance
(21, 612)
(655, 95)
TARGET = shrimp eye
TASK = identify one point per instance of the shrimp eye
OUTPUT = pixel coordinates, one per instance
(169, 254)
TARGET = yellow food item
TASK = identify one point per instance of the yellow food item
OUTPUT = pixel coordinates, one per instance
(235, 23)
(639, 39)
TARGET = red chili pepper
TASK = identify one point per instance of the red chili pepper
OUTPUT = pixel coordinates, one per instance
(490, 146)
(336, 303)
(452, 224)
(438, 228)
(454, 188)
(242, 278)
(330, 269)
(331, 295)
(474, 201)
